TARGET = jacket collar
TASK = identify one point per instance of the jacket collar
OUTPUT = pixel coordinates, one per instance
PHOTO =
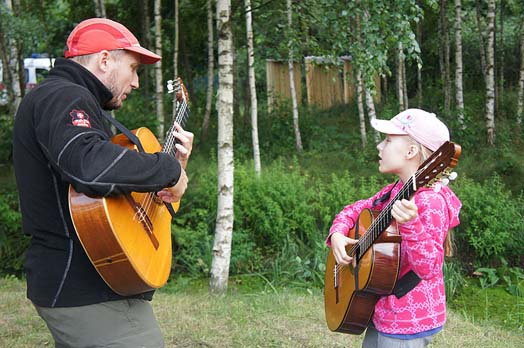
(76, 73)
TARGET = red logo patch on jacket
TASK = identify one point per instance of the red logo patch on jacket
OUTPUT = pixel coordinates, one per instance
(80, 118)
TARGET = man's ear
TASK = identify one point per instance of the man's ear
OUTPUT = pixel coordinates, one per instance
(103, 60)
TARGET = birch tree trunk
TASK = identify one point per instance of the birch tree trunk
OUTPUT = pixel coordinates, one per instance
(360, 105)
(520, 102)
(11, 54)
(459, 88)
(225, 217)
(400, 78)
(370, 106)
(175, 52)
(158, 71)
(146, 25)
(100, 8)
(404, 82)
(210, 69)
(490, 73)
(444, 51)
(482, 46)
(252, 87)
(298, 138)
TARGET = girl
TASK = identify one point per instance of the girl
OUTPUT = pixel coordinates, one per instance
(423, 221)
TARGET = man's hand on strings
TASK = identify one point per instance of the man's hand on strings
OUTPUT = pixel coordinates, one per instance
(184, 144)
(174, 193)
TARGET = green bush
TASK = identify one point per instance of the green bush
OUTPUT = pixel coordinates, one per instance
(281, 220)
(13, 242)
(491, 222)
(6, 137)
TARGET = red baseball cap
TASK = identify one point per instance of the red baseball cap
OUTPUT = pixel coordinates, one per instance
(97, 34)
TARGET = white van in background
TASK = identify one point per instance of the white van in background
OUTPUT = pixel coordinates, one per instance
(36, 69)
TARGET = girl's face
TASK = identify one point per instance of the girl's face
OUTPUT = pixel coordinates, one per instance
(394, 153)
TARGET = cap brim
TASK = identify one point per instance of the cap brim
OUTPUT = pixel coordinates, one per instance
(146, 56)
(386, 127)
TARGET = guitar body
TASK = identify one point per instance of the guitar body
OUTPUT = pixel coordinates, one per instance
(351, 292)
(126, 237)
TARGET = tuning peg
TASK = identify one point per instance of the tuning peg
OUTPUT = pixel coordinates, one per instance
(170, 86)
(437, 187)
(453, 176)
(445, 182)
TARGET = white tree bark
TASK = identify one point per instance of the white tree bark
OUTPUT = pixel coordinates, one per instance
(252, 87)
(298, 138)
(100, 8)
(360, 104)
(370, 107)
(445, 52)
(146, 75)
(225, 217)
(490, 73)
(520, 102)
(210, 69)
(459, 88)
(158, 71)
(13, 63)
(404, 82)
(400, 78)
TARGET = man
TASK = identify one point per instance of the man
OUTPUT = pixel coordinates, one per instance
(62, 137)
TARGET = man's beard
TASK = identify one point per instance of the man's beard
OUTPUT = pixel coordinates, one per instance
(112, 104)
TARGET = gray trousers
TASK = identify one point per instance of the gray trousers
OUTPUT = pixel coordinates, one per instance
(373, 339)
(115, 324)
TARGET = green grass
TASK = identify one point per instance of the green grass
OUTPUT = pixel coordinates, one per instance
(492, 305)
(252, 314)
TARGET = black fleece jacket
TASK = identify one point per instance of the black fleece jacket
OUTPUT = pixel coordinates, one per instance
(60, 138)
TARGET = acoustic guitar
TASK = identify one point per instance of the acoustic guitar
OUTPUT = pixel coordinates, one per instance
(351, 292)
(128, 237)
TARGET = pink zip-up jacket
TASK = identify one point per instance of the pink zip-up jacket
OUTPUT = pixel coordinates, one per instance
(422, 250)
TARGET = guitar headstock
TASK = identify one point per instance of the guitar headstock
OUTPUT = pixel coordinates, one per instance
(177, 86)
(181, 103)
(439, 165)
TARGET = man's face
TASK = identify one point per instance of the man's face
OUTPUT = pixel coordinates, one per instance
(122, 77)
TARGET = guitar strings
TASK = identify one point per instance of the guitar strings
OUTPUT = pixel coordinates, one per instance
(368, 238)
(147, 203)
(168, 147)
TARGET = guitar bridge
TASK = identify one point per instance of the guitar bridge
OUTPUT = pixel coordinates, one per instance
(335, 282)
(142, 216)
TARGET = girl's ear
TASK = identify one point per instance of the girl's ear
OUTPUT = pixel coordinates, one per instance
(413, 150)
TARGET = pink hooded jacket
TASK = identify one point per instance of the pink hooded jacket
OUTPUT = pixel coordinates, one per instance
(424, 307)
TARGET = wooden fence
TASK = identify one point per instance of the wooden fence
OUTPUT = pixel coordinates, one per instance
(277, 73)
(326, 84)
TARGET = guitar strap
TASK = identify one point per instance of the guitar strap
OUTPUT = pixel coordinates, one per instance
(134, 139)
(409, 280)
(406, 284)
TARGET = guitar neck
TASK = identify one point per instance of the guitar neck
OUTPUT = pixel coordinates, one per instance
(181, 117)
(382, 221)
